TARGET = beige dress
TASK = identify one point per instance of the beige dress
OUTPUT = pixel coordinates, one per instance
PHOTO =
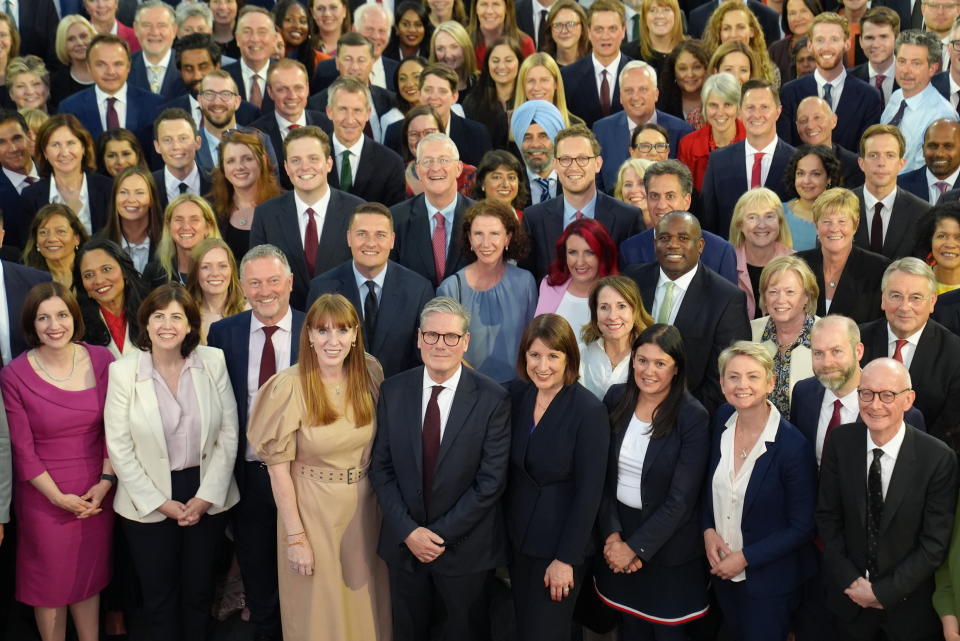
(348, 596)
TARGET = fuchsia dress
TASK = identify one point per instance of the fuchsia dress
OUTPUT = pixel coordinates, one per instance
(60, 559)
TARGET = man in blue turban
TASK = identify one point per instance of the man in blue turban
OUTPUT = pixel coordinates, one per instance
(534, 126)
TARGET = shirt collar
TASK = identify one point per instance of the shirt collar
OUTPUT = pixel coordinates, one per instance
(144, 244)
(246, 71)
(163, 63)
(362, 280)
(534, 176)
(17, 178)
(950, 180)
(319, 207)
(892, 447)
(835, 84)
(683, 282)
(769, 149)
(588, 210)
(769, 433)
(146, 370)
(448, 211)
(611, 68)
(870, 201)
(285, 323)
(102, 96)
(285, 124)
(850, 402)
(354, 149)
(54, 193)
(172, 182)
(450, 383)
(913, 338)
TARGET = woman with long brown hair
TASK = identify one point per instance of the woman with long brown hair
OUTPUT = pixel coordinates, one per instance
(134, 221)
(214, 283)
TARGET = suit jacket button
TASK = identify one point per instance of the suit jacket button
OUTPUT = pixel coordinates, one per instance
(419, 492)
(203, 457)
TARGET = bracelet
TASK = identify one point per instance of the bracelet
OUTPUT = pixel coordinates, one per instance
(109, 477)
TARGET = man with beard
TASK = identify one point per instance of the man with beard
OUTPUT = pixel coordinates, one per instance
(534, 125)
(816, 123)
(941, 157)
(856, 104)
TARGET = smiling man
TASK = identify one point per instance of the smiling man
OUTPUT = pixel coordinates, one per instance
(879, 29)
(941, 157)
(373, 21)
(535, 124)
(177, 141)
(19, 172)
(152, 68)
(256, 36)
(816, 123)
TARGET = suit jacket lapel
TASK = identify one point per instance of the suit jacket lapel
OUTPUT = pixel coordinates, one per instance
(364, 173)
(289, 226)
(463, 401)
(412, 415)
(860, 236)
(760, 469)
(900, 219)
(692, 303)
(390, 298)
(453, 247)
(420, 232)
(899, 480)
(147, 394)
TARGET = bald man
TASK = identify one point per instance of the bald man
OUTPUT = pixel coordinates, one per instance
(815, 125)
(941, 159)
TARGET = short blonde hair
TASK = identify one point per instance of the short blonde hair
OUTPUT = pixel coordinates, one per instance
(639, 165)
(27, 64)
(756, 351)
(759, 197)
(782, 264)
(837, 199)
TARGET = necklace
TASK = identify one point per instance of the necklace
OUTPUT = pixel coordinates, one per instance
(743, 453)
(833, 283)
(73, 366)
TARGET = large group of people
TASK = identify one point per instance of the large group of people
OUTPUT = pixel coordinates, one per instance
(373, 308)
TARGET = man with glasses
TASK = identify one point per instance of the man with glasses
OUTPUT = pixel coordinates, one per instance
(928, 350)
(669, 187)
(947, 82)
(428, 226)
(442, 535)
(577, 162)
(885, 514)
(938, 19)
(638, 97)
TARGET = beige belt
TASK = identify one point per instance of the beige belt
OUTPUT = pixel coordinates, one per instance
(328, 475)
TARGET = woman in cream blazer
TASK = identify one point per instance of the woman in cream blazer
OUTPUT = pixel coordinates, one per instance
(171, 425)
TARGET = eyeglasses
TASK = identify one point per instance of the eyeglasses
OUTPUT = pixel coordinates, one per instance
(941, 6)
(443, 163)
(208, 94)
(886, 396)
(913, 300)
(560, 27)
(647, 147)
(450, 340)
(955, 45)
(566, 161)
(417, 135)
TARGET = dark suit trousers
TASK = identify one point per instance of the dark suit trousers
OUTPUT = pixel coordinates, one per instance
(255, 527)
(176, 567)
(538, 617)
(871, 625)
(460, 603)
(747, 618)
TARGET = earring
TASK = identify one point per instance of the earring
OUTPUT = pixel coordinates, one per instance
(353, 344)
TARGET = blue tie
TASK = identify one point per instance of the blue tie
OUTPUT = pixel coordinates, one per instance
(899, 115)
(827, 97)
(544, 185)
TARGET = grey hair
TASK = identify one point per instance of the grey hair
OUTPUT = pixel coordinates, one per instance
(445, 305)
(349, 85)
(909, 265)
(190, 9)
(724, 85)
(922, 39)
(670, 168)
(900, 368)
(265, 251)
(845, 322)
(157, 4)
(27, 64)
(441, 137)
(360, 13)
(638, 64)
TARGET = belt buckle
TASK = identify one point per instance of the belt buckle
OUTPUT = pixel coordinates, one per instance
(353, 476)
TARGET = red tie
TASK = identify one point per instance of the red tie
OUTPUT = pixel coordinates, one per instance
(268, 359)
(292, 127)
(834, 420)
(578, 215)
(897, 355)
(431, 442)
(113, 120)
(755, 174)
(440, 245)
(311, 242)
(604, 94)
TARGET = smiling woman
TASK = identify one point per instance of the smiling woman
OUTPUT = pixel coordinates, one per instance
(214, 283)
(187, 220)
(54, 237)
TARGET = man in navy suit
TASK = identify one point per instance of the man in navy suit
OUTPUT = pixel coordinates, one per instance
(947, 82)
(577, 163)
(532, 19)
(879, 29)
(373, 22)
(177, 141)
(256, 38)
(387, 296)
(638, 97)
(534, 125)
(113, 102)
(593, 80)
(17, 281)
(815, 125)
(249, 340)
(856, 104)
(768, 18)
(761, 159)
(19, 172)
(669, 187)
(309, 224)
(442, 534)
(152, 68)
(941, 157)
(677, 290)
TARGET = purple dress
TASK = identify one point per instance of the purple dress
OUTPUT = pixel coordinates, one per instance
(60, 559)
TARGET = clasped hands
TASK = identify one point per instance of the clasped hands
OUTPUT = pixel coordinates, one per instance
(861, 593)
(87, 504)
(723, 562)
(619, 556)
(185, 515)
(425, 545)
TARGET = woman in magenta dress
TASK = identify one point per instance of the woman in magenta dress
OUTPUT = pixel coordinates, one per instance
(54, 395)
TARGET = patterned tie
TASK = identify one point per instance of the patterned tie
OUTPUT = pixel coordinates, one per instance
(897, 117)
(431, 442)
(30, 180)
(878, 81)
(604, 94)
(755, 175)
(663, 316)
(256, 93)
(578, 215)
(346, 172)
(876, 230)
(544, 185)
(370, 310)
(113, 120)
(268, 358)
(834, 420)
(874, 512)
(898, 350)
(311, 241)
(156, 78)
(827, 95)
(439, 245)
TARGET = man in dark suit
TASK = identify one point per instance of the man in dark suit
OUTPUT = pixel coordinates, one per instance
(17, 281)
(309, 224)
(941, 157)
(438, 88)
(256, 344)
(18, 172)
(947, 81)
(882, 546)
(581, 198)
(152, 68)
(815, 125)
(763, 151)
(442, 534)
(879, 29)
(677, 289)
(889, 215)
(856, 104)
(37, 24)
(361, 166)
(177, 140)
(534, 125)
(428, 226)
(768, 18)
(669, 187)
(373, 283)
(929, 350)
(113, 101)
(909, 11)
(532, 19)
(594, 79)
(373, 22)
(256, 38)
(638, 97)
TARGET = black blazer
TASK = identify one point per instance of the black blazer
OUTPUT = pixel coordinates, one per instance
(583, 99)
(267, 123)
(947, 311)
(413, 247)
(206, 184)
(37, 22)
(172, 85)
(858, 290)
(17, 281)
(16, 218)
(99, 191)
(326, 72)
(404, 294)
(232, 335)
(918, 514)
(471, 138)
(379, 178)
(470, 476)
(905, 222)
(544, 225)
(266, 106)
(673, 475)
(934, 371)
(859, 107)
(275, 222)
(557, 471)
(915, 182)
(705, 335)
(852, 174)
(768, 18)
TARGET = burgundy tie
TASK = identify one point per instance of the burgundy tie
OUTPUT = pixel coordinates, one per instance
(876, 230)
(440, 245)
(292, 127)
(898, 352)
(578, 215)
(268, 359)
(30, 180)
(604, 94)
(113, 120)
(834, 420)
(878, 80)
(431, 442)
(757, 169)
(311, 242)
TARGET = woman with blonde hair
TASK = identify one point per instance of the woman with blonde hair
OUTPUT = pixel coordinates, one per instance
(187, 220)
(28, 83)
(566, 39)
(491, 20)
(630, 188)
(539, 79)
(737, 59)
(9, 43)
(735, 21)
(214, 283)
(451, 46)
(759, 233)
(313, 425)
(74, 34)
(445, 11)
(661, 29)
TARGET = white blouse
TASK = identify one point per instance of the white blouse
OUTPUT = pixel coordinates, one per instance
(84, 213)
(596, 372)
(633, 451)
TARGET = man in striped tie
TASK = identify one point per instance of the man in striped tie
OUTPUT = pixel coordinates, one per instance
(534, 125)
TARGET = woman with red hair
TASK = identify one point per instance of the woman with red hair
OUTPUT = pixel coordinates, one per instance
(585, 254)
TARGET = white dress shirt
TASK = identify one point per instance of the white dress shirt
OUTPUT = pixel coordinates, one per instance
(891, 449)
(682, 284)
(281, 340)
(633, 451)
(355, 149)
(535, 9)
(19, 181)
(284, 124)
(933, 194)
(84, 213)
(319, 210)
(849, 412)
(120, 106)
(139, 253)
(378, 76)
(156, 72)
(247, 74)
(888, 78)
(870, 203)
(765, 161)
(172, 184)
(597, 373)
(611, 70)
(908, 349)
(444, 399)
(836, 86)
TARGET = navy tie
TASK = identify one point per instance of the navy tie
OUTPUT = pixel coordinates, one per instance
(827, 96)
(897, 117)
(544, 185)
